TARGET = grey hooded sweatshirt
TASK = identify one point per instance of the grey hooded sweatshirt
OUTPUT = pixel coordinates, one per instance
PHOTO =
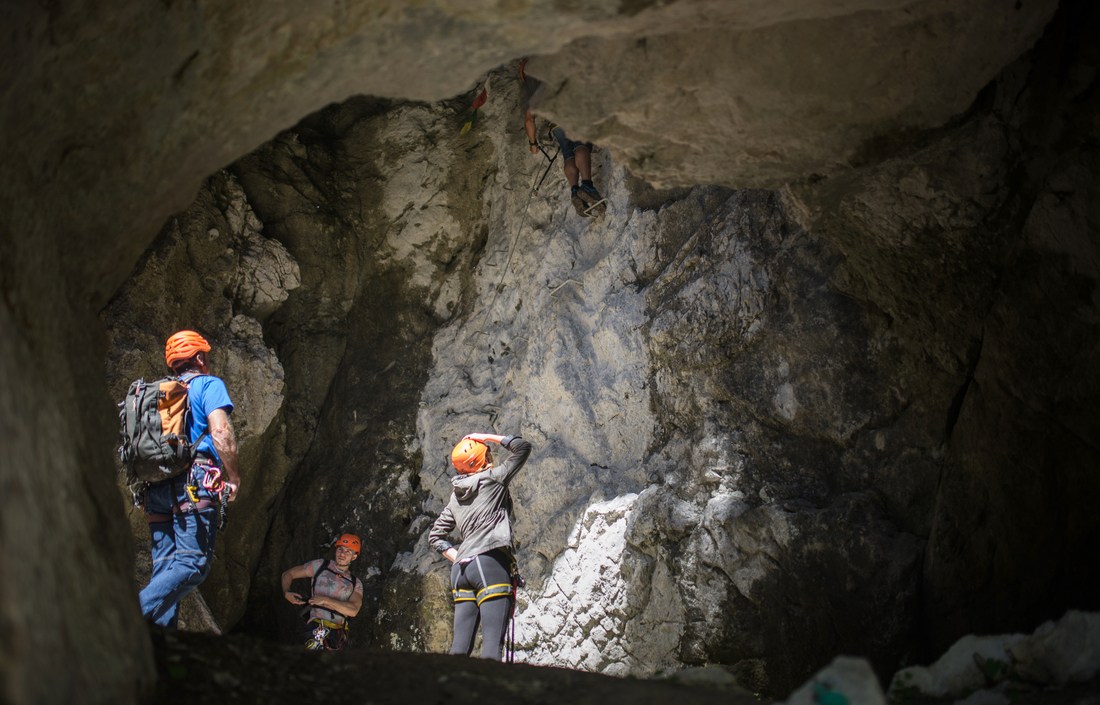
(480, 509)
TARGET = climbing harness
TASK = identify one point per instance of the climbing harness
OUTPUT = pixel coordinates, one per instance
(192, 504)
(317, 641)
(328, 636)
(492, 591)
(210, 480)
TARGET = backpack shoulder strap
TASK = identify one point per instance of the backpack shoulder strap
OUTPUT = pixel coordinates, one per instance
(327, 566)
(313, 583)
(185, 379)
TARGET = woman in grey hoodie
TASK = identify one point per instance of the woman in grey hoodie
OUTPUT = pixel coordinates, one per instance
(479, 514)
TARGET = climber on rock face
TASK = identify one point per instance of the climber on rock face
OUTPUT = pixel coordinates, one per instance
(479, 515)
(576, 156)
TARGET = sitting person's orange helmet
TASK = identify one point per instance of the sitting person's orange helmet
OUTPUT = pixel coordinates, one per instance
(349, 541)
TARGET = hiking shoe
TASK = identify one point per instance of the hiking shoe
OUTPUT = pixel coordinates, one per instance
(579, 202)
(589, 193)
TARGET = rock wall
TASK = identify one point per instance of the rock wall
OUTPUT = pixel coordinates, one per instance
(709, 418)
(907, 328)
(960, 244)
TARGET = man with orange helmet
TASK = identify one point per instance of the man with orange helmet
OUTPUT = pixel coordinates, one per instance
(336, 594)
(182, 511)
(479, 514)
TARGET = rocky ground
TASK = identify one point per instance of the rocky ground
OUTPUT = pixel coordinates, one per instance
(201, 668)
(239, 669)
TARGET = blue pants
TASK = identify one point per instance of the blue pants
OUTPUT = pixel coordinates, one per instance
(182, 549)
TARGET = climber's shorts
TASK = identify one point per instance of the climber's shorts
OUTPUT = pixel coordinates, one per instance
(568, 146)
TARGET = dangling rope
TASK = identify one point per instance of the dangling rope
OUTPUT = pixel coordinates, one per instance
(511, 646)
(511, 249)
(550, 161)
(500, 282)
(517, 583)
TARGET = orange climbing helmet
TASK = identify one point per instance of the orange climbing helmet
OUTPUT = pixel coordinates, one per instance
(184, 345)
(350, 541)
(470, 456)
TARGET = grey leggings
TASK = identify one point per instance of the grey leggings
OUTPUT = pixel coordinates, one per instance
(480, 596)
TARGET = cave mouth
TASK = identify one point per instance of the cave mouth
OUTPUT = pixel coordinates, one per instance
(380, 285)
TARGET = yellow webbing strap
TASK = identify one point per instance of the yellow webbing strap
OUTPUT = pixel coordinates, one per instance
(493, 591)
(463, 595)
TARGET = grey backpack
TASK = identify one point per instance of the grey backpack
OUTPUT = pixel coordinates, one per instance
(155, 429)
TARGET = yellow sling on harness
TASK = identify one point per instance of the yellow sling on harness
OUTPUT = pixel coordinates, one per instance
(493, 591)
(463, 595)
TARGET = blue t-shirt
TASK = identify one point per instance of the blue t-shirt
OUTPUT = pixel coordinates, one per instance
(206, 393)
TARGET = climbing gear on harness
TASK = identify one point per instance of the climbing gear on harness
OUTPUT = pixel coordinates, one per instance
(191, 505)
(328, 636)
(214, 484)
(469, 456)
(350, 541)
(212, 479)
(317, 642)
(184, 345)
(223, 507)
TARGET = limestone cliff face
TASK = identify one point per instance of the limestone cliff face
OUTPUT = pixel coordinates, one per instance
(746, 405)
(850, 413)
